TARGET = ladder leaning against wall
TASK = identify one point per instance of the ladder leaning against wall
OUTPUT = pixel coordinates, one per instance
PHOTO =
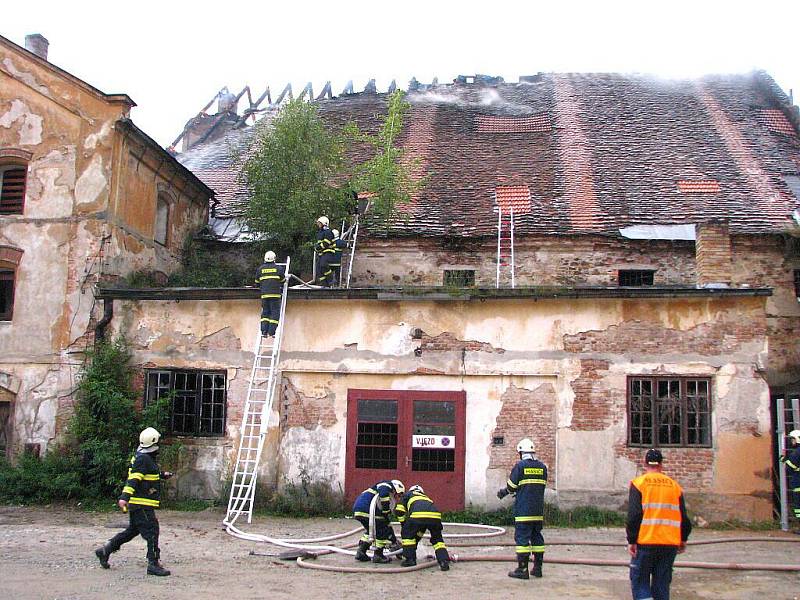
(505, 245)
(255, 420)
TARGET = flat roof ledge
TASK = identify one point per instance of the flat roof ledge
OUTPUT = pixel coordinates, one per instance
(428, 294)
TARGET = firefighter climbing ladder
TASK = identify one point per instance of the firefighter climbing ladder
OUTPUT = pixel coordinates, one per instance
(257, 410)
(505, 244)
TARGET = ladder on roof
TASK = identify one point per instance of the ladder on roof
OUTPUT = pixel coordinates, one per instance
(255, 420)
(352, 254)
(505, 245)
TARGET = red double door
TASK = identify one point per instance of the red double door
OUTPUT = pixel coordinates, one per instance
(415, 436)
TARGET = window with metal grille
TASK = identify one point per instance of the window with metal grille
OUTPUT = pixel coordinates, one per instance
(669, 411)
(198, 400)
(376, 445)
(434, 418)
(459, 278)
(635, 277)
(12, 189)
(797, 283)
(6, 294)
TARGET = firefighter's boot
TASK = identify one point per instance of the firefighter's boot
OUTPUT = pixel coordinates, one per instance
(154, 568)
(538, 559)
(379, 557)
(521, 572)
(361, 553)
(103, 554)
(409, 562)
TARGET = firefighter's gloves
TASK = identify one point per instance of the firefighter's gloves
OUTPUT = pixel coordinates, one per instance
(502, 493)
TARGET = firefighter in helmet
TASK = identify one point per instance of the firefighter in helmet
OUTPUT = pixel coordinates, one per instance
(376, 503)
(416, 513)
(527, 482)
(792, 461)
(140, 497)
(270, 278)
(324, 247)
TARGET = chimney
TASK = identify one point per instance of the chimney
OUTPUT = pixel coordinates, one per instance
(38, 44)
(713, 254)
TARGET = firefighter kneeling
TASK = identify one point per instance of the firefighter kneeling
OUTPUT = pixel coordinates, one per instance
(527, 481)
(416, 513)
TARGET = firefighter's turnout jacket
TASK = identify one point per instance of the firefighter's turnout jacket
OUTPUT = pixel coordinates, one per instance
(792, 462)
(382, 489)
(143, 487)
(270, 279)
(527, 481)
(338, 247)
(656, 512)
(414, 505)
(325, 242)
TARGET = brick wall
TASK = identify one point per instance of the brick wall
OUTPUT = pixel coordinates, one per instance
(448, 342)
(593, 407)
(526, 413)
(693, 468)
(299, 410)
(714, 254)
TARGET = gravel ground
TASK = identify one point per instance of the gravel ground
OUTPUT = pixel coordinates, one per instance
(47, 553)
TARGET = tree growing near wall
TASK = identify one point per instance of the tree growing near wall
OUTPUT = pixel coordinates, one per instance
(297, 171)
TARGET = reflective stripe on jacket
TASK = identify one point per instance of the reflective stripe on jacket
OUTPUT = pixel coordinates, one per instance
(143, 487)
(792, 461)
(414, 505)
(270, 279)
(661, 510)
(383, 489)
(324, 243)
(527, 481)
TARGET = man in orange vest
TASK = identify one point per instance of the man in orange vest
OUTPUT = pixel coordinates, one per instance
(657, 529)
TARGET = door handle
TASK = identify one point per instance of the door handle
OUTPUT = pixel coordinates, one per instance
(408, 460)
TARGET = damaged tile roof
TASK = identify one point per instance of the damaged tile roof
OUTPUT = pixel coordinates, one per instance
(595, 152)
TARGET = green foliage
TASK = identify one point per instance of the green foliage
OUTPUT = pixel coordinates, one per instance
(101, 436)
(143, 279)
(291, 174)
(304, 499)
(53, 478)
(387, 174)
(580, 517)
(201, 267)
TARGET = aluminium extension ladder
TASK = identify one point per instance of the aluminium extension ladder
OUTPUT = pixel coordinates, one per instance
(505, 245)
(255, 420)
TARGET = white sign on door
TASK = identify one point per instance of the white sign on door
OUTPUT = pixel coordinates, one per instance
(433, 441)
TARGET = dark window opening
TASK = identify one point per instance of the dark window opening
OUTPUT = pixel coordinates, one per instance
(198, 400)
(162, 221)
(6, 294)
(797, 283)
(376, 444)
(12, 189)
(669, 411)
(459, 278)
(635, 277)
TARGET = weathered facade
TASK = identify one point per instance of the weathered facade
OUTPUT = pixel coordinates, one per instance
(86, 197)
(656, 303)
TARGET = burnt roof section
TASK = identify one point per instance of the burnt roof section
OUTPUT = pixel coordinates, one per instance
(598, 152)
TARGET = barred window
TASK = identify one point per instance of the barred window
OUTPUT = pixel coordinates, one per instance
(459, 277)
(635, 277)
(669, 411)
(198, 400)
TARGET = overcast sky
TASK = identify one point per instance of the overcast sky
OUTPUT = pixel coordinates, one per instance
(173, 56)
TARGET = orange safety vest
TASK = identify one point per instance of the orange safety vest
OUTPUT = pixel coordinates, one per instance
(661, 520)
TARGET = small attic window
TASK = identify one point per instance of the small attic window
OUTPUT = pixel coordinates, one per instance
(516, 197)
(539, 123)
(459, 278)
(774, 120)
(635, 277)
(698, 186)
(12, 188)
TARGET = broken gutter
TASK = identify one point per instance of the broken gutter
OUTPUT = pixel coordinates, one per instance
(427, 294)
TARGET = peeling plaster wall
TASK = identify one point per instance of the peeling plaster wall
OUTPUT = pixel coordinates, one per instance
(67, 234)
(521, 364)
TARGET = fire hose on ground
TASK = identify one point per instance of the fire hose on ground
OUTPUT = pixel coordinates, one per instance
(310, 549)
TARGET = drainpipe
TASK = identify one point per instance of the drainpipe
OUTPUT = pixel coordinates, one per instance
(108, 314)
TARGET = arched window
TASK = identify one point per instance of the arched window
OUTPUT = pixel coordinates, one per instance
(162, 220)
(9, 261)
(13, 176)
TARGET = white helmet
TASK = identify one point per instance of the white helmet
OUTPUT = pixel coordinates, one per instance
(149, 437)
(324, 221)
(526, 445)
(398, 486)
(269, 256)
(416, 489)
(335, 234)
(795, 435)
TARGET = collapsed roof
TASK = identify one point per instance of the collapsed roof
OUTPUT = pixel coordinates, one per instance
(572, 153)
